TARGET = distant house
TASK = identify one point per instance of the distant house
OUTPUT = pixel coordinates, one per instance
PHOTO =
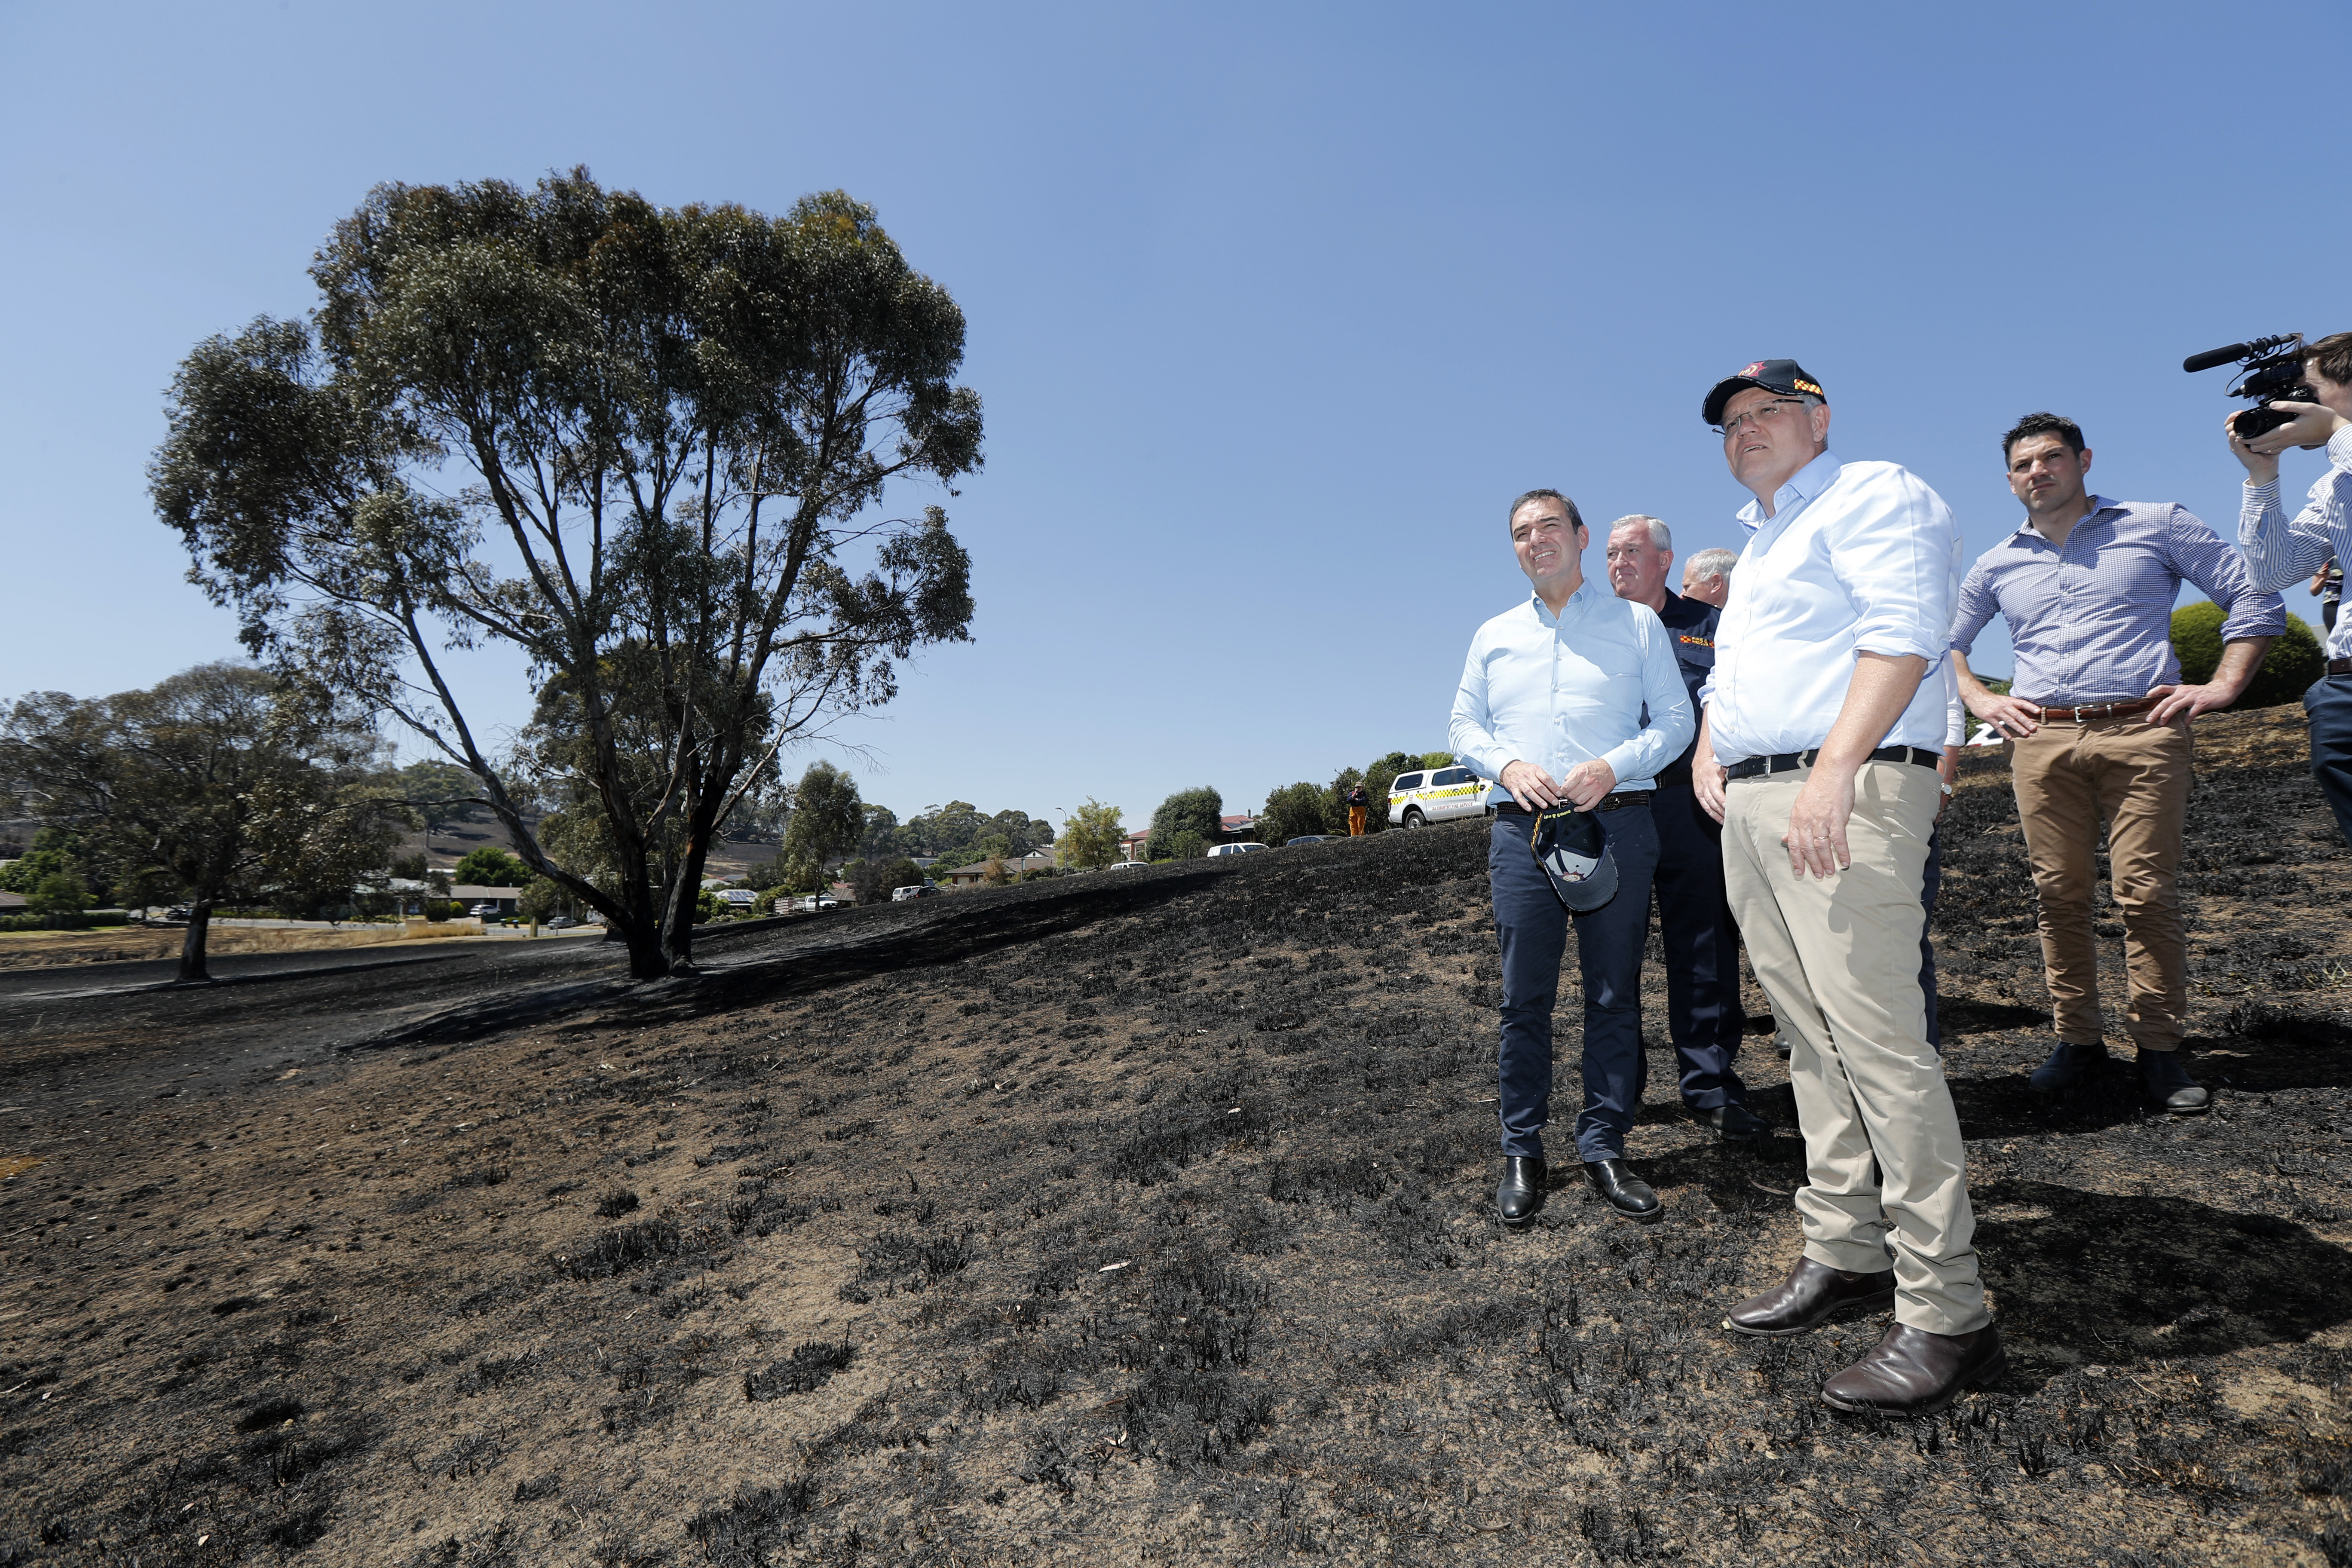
(971, 875)
(1136, 846)
(502, 901)
(1234, 826)
(12, 903)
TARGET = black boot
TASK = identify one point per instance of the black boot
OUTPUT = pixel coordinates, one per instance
(2168, 1084)
(1521, 1194)
(1625, 1192)
(2069, 1065)
(1733, 1124)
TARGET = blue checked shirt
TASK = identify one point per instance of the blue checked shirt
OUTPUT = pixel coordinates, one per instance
(1560, 690)
(2090, 620)
(1857, 558)
(2278, 552)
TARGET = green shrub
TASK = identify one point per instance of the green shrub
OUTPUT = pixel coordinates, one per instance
(2294, 663)
(58, 893)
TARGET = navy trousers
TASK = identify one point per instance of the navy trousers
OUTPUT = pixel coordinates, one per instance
(1704, 1015)
(1533, 925)
(2329, 705)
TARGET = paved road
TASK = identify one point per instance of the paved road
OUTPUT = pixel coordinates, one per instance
(83, 979)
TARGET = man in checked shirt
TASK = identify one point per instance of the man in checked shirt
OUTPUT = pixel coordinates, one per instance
(2278, 551)
(2101, 729)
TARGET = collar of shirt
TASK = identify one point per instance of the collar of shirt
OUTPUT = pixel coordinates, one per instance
(1803, 485)
(1577, 604)
(2100, 506)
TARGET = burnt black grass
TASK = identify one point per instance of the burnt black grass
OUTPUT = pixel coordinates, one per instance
(1220, 1282)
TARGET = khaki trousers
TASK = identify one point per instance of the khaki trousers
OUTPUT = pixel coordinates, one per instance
(1884, 1160)
(2135, 774)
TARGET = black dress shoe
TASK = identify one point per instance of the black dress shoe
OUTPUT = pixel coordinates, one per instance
(1521, 1194)
(2069, 1065)
(1732, 1122)
(1811, 1296)
(2168, 1084)
(1913, 1372)
(1626, 1192)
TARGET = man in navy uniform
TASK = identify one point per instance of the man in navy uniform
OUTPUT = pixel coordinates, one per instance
(1704, 1015)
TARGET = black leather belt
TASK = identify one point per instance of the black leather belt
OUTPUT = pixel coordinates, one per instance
(1789, 762)
(1609, 802)
(2339, 666)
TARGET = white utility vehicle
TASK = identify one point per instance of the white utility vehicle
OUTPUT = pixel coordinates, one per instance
(1426, 796)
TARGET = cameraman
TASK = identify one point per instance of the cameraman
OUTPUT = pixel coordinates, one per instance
(2278, 552)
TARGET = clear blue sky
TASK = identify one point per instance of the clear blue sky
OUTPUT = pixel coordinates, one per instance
(1272, 308)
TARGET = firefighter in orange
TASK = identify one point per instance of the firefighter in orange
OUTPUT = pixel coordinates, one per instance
(1359, 803)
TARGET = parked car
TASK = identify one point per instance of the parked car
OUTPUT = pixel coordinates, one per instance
(1233, 850)
(1307, 838)
(1127, 866)
(484, 911)
(1437, 795)
(561, 922)
(908, 895)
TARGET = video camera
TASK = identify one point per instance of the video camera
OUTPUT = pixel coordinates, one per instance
(2273, 370)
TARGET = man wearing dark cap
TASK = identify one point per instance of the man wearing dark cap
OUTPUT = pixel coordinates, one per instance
(1818, 753)
(1570, 701)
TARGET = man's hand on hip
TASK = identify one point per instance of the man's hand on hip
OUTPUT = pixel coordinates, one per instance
(2187, 702)
(2012, 718)
(1589, 784)
(2240, 657)
(1530, 785)
(1816, 835)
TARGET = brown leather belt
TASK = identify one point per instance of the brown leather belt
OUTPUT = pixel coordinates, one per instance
(2339, 666)
(1609, 802)
(2097, 710)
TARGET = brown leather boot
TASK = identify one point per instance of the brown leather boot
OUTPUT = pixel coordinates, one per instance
(1811, 1295)
(1913, 1372)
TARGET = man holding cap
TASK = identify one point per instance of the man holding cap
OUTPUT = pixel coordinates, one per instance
(1552, 706)
(1818, 752)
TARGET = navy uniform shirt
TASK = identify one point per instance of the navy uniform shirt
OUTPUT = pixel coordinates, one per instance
(1691, 624)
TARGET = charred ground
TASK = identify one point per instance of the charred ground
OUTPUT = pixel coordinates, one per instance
(1148, 1222)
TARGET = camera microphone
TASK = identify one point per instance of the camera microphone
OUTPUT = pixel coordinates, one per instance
(2212, 357)
(2274, 371)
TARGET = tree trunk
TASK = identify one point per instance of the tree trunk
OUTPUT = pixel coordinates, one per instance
(685, 896)
(647, 959)
(192, 946)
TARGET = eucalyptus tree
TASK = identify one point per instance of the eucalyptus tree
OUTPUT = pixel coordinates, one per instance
(220, 782)
(647, 446)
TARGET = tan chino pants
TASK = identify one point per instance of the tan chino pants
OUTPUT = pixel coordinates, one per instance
(1840, 959)
(2137, 776)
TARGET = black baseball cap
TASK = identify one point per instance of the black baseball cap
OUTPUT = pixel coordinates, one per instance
(1574, 853)
(1784, 376)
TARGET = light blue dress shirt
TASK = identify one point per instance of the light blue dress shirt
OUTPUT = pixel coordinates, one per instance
(1855, 558)
(1556, 691)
